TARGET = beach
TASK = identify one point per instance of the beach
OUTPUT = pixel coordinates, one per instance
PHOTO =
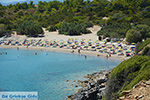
(90, 53)
(84, 45)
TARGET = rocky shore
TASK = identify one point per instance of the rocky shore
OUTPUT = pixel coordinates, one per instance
(92, 88)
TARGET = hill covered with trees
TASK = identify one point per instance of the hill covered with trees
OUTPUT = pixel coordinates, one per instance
(56, 13)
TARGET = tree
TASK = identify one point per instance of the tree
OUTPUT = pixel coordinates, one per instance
(144, 30)
(73, 29)
(137, 33)
(52, 28)
(3, 30)
(133, 35)
(114, 30)
(30, 28)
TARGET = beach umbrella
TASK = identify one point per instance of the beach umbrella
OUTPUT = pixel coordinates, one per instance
(133, 43)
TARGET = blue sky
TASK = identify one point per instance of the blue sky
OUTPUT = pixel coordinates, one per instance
(6, 2)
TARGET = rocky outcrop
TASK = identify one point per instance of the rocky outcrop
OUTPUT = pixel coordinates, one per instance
(139, 92)
(92, 88)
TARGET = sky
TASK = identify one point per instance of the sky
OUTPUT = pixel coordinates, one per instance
(7, 2)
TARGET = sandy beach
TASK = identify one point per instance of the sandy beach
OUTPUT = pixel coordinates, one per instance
(90, 53)
(55, 36)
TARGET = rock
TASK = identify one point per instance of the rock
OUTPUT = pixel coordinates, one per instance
(121, 98)
(101, 81)
(147, 82)
(126, 92)
(92, 88)
(141, 96)
(70, 97)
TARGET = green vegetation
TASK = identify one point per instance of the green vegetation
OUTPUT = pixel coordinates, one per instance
(2, 30)
(137, 33)
(30, 29)
(52, 14)
(52, 28)
(146, 51)
(143, 44)
(114, 30)
(73, 29)
(127, 74)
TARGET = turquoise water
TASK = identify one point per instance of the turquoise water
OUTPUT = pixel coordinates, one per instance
(46, 72)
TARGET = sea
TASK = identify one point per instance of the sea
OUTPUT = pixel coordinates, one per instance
(46, 72)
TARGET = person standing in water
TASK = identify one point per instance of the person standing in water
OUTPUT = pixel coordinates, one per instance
(79, 51)
(85, 56)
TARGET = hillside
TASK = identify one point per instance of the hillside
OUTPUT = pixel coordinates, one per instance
(72, 17)
(128, 73)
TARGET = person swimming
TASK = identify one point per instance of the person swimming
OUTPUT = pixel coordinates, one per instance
(35, 53)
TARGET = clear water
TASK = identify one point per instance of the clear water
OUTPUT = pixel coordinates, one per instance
(47, 71)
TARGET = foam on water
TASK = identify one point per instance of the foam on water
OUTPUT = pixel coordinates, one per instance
(47, 71)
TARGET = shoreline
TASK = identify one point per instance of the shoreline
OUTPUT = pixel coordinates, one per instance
(95, 83)
(93, 88)
(62, 50)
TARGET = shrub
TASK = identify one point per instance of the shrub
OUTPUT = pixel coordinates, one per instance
(88, 24)
(115, 30)
(133, 35)
(30, 28)
(137, 33)
(73, 29)
(3, 30)
(146, 51)
(52, 28)
(126, 75)
(143, 44)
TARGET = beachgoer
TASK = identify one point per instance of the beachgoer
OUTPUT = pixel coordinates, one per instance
(98, 55)
(79, 51)
(72, 51)
(17, 48)
(107, 56)
(35, 53)
(85, 56)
